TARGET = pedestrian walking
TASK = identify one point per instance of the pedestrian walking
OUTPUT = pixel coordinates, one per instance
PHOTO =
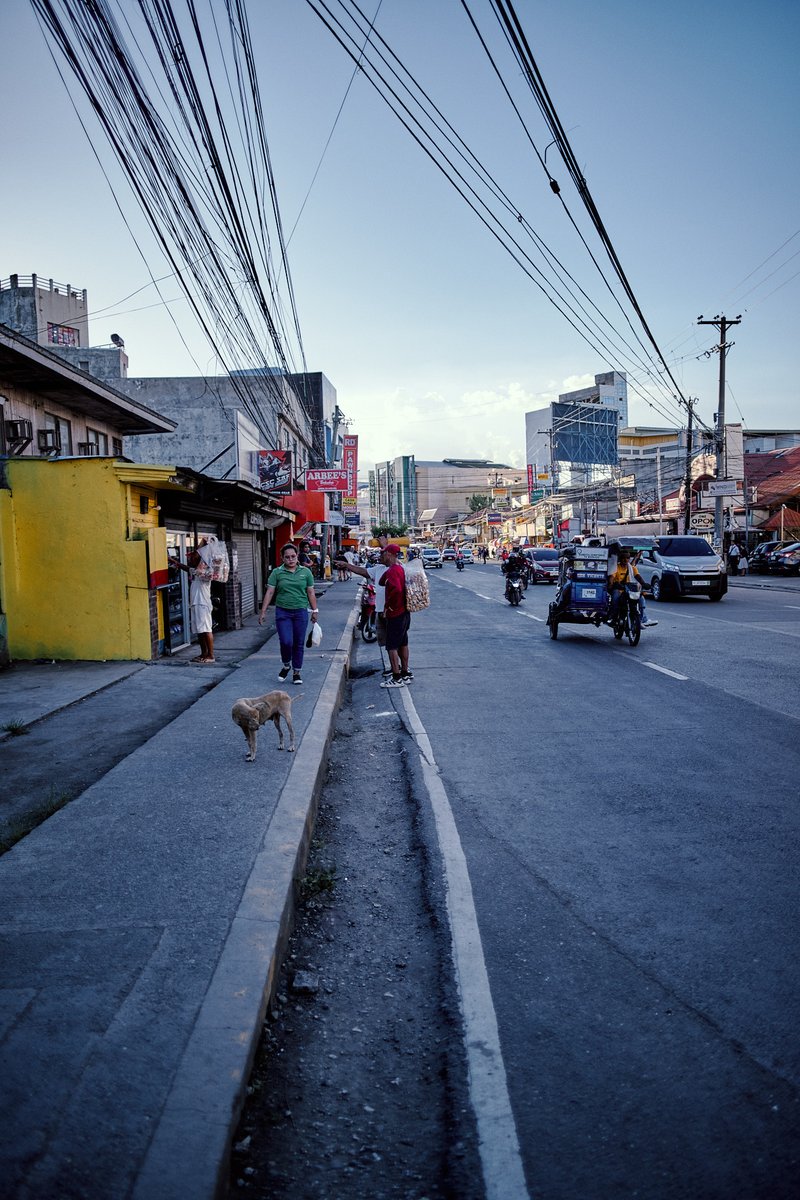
(293, 589)
(734, 554)
(744, 565)
(398, 618)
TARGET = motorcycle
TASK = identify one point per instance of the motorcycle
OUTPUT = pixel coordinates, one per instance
(627, 622)
(459, 564)
(367, 620)
(513, 592)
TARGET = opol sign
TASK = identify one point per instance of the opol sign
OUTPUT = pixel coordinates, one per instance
(702, 520)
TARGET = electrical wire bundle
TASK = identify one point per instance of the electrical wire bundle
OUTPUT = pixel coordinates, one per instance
(178, 100)
(613, 339)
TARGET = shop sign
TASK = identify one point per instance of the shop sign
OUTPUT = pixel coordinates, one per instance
(350, 462)
(495, 518)
(725, 487)
(701, 520)
(332, 479)
(275, 471)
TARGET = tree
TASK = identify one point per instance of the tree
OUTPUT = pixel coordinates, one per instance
(477, 501)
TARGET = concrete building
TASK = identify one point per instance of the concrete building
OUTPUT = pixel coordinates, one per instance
(56, 315)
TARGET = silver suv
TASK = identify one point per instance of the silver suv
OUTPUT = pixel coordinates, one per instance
(683, 565)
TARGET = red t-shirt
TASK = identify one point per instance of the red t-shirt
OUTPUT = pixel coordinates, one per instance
(394, 581)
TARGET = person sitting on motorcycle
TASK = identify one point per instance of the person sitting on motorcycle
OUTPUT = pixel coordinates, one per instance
(515, 564)
(646, 621)
(624, 572)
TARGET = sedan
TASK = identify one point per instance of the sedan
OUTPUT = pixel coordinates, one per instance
(786, 562)
(449, 553)
(759, 560)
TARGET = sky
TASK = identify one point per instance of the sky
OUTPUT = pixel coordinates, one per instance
(683, 118)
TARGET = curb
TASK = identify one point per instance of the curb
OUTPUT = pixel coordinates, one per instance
(189, 1153)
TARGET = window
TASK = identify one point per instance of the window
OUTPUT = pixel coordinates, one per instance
(51, 421)
(62, 335)
(95, 438)
(116, 447)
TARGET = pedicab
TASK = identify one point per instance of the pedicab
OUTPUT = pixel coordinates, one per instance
(583, 596)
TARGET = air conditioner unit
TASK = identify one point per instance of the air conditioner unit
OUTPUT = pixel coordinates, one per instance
(49, 441)
(19, 431)
(88, 449)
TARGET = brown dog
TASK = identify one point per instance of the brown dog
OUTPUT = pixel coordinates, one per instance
(249, 714)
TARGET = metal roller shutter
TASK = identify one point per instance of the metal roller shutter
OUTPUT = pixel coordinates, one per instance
(245, 546)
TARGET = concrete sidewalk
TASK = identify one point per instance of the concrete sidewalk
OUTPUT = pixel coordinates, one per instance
(142, 926)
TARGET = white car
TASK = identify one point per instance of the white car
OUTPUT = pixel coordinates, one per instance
(684, 565)
(431, 557)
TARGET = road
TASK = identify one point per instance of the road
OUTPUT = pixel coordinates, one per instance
(628, 820)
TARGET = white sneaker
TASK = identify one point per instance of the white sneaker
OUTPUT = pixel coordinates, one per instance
(648, 624)
(393, 683)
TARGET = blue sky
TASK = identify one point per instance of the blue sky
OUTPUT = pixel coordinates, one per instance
(684, 119)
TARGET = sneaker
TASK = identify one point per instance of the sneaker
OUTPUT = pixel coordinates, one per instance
(648, 624)
(296, 677)
(387, 672)
(407, 676)
(393, 683)
(284, 671)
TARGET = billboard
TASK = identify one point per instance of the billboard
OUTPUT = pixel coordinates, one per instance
(275, 471)
(585, 433)
(326, 479)
(350, 462)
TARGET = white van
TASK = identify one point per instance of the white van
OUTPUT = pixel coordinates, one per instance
(683, 565)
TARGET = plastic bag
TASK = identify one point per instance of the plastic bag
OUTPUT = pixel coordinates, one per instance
(418, 595)
(314, 635)
(214, 564)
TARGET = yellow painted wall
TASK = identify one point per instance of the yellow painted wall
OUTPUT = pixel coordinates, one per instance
(73, 585)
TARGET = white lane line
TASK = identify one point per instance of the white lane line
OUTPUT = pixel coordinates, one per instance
(501, 1162)
(663, 670)
(796, 606)
(531, 616)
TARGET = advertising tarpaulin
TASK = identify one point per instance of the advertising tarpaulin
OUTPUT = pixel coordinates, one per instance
(275, 471)
(350, 461)
(326, 479)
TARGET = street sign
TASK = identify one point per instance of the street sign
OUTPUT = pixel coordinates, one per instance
(537, 494)
(725, 487)
(702, 520)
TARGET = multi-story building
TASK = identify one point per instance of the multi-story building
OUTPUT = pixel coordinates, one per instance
(575, 438)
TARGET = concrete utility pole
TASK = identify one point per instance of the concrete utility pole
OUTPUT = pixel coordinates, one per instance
(722, 324)
(687, 487)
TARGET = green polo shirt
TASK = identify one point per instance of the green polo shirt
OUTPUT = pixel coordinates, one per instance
(291, 587)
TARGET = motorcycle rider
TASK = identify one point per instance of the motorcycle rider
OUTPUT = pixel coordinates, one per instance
(515, 564)
(459, 558)
(624, 572)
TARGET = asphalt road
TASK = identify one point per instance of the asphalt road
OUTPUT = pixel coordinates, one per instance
(629, 821)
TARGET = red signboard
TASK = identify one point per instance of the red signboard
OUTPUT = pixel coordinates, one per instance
(326, 479)
(350, 462)
(530, 478)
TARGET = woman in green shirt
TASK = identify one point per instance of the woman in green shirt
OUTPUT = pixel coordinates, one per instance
(293, 589)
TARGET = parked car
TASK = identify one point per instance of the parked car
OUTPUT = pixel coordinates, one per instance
(759, 560)
(431, 557)
(683, 566)
(786, 561)
(449, 553)
(543, 564)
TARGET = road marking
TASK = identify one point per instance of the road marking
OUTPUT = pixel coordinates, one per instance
(501, 1162)
(796, 606)
(531, 616)
(663, 670)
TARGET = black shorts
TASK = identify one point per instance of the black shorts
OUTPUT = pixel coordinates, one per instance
(380, 626)
(397, 631)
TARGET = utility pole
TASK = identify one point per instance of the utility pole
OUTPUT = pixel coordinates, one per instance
(722, 324)
(687, 486)
(658, 491)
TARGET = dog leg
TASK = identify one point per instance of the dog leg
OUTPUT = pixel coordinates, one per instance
(287, 716)
(276, 721)
(251, 735)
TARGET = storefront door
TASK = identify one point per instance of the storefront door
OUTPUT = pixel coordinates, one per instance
(175, 595)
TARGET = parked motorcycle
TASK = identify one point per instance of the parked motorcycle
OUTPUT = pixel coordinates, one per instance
(513, 589)
(367, 620)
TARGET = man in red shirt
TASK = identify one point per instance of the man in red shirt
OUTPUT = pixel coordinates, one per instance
(398, 618)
